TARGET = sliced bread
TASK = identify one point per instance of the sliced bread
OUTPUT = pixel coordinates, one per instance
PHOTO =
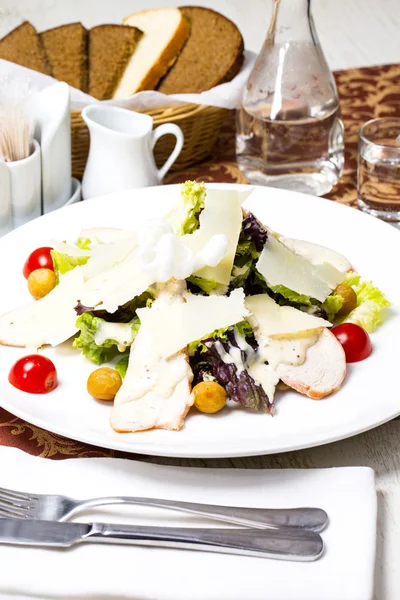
(24, 47)
(165, 32)
(110, 50)
(67, 53)
(212, 55)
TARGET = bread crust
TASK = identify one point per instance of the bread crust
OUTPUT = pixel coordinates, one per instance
(168, 56)
(32, 58)
(169, 84)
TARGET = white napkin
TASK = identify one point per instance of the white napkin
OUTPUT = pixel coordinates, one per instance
(108, 572)
(226, 95)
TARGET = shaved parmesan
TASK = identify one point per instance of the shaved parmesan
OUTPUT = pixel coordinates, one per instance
(105, 256)
(222, 214)
(68, 249)
(116, 285)
(280, 266)
(175, 326)
(330, 274)
(50, 320)
(281, 321)
(105, 235)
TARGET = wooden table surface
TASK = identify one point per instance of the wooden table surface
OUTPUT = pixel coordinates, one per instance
(353, 33)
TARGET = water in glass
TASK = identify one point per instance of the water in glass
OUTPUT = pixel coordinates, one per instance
(379, 168)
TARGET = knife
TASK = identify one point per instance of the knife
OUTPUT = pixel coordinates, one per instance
(278, 544)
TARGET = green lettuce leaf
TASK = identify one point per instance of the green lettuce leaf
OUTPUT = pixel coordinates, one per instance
(370, 303)
(243, 328)
(122, 366)
(184, 218)
(84, 243)
(64, 263)
(332, 305)
(291, 295)
(206, 285)
(88, 325)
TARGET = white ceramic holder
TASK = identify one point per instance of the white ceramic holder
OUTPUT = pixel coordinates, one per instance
(5, 200)
(121, 150)
(20, 185)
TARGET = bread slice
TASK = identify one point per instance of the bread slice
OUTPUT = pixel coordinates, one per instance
(110, 49)
(212, 55)
(66, 48)
(24, 47)
(165, 33)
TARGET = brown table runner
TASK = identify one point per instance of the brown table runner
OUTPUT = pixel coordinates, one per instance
(364, 94)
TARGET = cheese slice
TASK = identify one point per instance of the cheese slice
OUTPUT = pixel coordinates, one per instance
(50, 320)
(281, 321)
(280, 266)
(69, 250)
(330, 274)
(106, 256)
(222, 214)
(117, 285)
(105, 235)
(175, 326)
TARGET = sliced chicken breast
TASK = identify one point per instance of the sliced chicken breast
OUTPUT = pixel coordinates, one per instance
(323, 371)
(316, 254)
(156, 392)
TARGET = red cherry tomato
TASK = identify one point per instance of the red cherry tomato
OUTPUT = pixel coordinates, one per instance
(35, 374)
(38, 259)
(355, 341)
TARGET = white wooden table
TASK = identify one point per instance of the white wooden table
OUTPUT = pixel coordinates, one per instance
(352, 33)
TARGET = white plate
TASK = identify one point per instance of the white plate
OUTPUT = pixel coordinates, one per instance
(369, 397)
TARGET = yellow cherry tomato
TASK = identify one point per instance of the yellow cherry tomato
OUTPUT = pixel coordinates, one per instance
(41, 282)
(209, 396)
(104, 383)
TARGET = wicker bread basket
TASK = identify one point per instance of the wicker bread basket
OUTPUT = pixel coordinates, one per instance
(200, 124)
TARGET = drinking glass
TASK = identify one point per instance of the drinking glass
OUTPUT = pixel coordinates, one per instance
(379, 168)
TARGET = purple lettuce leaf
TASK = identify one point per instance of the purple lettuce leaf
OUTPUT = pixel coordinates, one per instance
(241, 387)
(253, 231)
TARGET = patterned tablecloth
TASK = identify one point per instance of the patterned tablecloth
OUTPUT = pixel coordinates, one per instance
(364, 94)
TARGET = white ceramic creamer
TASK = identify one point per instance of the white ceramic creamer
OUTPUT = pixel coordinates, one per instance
(121, 150)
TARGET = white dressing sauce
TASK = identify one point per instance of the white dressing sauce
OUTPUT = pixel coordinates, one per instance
(233, 357)
(291, 351)
(120, 332)
(163, 255)
(265, 376)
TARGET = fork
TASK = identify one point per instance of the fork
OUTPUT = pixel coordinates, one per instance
(61, 508)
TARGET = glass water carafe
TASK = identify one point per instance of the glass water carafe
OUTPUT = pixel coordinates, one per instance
(289, 130)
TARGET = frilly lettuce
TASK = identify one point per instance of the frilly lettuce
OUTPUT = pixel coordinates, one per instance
(332, 305)
(370, 303)
(63, 263)
(184, 218)
(88, 325)
(290, 295)
(122, 366)
(243, 328)
(250, 244)
(84, 243)
(205, 285)
(238, 383)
